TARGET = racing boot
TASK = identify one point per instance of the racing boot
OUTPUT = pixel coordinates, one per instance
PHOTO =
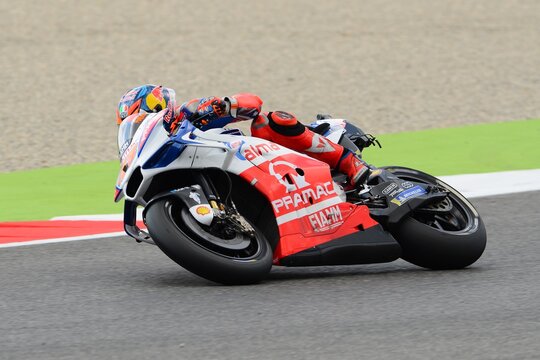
(354, 167)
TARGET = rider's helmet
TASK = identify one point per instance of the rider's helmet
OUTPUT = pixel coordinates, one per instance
(148, 98)
(134, 107)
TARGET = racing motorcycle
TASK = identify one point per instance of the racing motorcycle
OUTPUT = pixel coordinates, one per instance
(227, 206)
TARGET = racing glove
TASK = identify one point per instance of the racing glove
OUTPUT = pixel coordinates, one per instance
(209, 109)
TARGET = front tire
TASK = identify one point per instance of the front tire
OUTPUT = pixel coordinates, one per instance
(186, 242)
(440, 240)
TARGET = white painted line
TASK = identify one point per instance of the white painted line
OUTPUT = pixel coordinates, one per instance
(59, 240)
(499, 183)
(104, 217)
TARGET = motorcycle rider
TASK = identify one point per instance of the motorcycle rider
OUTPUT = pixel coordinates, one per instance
(211, 112)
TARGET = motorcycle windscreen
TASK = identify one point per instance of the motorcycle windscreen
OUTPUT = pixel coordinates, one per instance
(126, 147)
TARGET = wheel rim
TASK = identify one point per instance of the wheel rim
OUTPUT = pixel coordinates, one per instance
(237, 246)
(450, 219)
(453, 214)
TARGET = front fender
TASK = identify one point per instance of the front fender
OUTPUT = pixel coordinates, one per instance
(193, 198)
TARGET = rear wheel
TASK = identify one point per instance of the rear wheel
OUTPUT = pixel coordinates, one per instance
(449, 234)
(219, 255)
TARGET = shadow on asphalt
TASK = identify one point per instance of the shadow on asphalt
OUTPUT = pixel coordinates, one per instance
(284, 275)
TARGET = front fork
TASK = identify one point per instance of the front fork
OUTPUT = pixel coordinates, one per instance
(202, 200)
(209, 191)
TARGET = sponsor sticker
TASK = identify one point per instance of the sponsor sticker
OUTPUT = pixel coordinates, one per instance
(167, 117)
(251, 152)
(123, 148)
(127, 151)
(395, 192)
(406, 195)
(193, 195)
(202, 213)
(407, 185)
(202, 210)
(304, 197)
(326, 219)
(123, 111)
(387, 190)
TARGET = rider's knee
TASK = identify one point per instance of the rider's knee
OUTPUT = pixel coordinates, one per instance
(285, 123)
(276, 126)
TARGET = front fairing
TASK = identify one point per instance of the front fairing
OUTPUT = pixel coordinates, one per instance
(133, 135)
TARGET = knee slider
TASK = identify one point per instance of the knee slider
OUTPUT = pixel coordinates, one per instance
(283, 118)
(285, 123)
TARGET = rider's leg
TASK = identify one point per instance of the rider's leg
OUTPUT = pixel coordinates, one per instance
(284, 129)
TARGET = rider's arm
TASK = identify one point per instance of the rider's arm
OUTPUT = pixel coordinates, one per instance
(244, 106)
(209, 111)
(237, 107)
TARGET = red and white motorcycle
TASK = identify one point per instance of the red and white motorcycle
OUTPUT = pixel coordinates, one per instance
(227, 206)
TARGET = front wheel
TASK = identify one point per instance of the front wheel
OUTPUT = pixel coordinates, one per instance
(446, 235)
(227, 258)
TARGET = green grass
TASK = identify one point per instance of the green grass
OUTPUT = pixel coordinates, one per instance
(468, 149)
(68, 190)
(89, 188)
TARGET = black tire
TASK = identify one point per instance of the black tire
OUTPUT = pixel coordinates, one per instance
(431, 245)
(185, 241)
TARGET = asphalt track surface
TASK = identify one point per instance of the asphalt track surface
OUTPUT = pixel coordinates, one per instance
(115, 299)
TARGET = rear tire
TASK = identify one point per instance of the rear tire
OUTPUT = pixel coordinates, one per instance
(438, 245)
(427, 247)
(182, 239)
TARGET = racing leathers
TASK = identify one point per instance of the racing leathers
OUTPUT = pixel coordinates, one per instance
(278, 126)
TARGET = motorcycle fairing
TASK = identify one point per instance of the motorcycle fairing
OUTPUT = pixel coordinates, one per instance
(357, 219)
(131, 144)
(306, 202)
(308, 205)
(374, 245)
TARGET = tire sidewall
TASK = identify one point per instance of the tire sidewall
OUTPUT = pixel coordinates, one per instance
(429, 248)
